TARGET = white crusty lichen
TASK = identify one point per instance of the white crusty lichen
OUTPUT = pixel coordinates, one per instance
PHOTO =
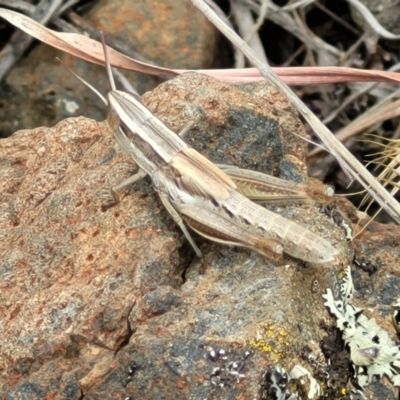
(372, 351)
(304, 376)
(277, 380)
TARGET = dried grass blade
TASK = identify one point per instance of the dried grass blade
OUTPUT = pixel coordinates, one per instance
(80, 46)
(91, 50)
(304, 75)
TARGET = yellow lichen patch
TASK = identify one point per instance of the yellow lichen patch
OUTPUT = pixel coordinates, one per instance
(272, 340)
(342, 273)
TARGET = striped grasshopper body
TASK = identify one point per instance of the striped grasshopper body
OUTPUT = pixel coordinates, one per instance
(205, 197)
(202, 196)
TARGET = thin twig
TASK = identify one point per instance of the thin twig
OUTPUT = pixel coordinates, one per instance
(237, 54)
(367, 89)
(383, 110)
(372, 21)
(245, 24)
(283, 19)
(298, 4)
(18, 5)
(262, 15)
(339, 20)
(67, 6)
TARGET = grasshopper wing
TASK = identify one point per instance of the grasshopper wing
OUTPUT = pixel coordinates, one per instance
(198, 176)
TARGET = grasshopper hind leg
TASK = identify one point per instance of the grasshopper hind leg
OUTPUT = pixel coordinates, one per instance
(179, 221)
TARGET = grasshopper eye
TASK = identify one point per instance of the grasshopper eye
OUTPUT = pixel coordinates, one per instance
(118, 132)
(112, 118)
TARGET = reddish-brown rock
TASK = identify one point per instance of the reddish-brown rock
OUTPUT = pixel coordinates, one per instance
(108, 302)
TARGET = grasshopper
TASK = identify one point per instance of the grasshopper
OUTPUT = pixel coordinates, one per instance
(204, 197)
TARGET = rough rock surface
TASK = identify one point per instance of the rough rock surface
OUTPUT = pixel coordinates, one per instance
(108, 303)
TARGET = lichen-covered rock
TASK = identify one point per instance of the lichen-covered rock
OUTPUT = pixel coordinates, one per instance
(108, 301)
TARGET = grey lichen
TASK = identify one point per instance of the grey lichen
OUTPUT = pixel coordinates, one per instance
(372, 351)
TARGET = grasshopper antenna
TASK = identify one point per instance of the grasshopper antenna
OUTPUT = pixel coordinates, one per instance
(108, 66)
(84, 82)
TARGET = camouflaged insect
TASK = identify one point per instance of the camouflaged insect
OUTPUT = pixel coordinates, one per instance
(372, 351)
